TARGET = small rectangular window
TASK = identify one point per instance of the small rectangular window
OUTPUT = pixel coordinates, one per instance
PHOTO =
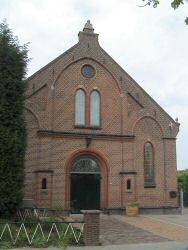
(44, 183)
(128, 186)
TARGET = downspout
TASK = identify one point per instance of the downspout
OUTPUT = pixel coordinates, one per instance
(52, 128)
(122, 150)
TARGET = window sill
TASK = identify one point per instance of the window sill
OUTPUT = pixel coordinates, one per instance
(44, 191)
(94, 127)
(85, 127)
(150, 186)
(80, 126)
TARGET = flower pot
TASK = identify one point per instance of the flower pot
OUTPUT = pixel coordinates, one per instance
(132, 211)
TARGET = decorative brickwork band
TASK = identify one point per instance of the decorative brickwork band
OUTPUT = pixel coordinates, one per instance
(92, 227)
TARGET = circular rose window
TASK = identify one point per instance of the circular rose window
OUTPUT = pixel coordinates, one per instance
(88, 71)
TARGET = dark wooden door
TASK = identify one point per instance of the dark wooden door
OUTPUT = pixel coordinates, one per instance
(85, 191)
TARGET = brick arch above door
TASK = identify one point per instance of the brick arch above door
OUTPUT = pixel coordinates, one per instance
(104, 174)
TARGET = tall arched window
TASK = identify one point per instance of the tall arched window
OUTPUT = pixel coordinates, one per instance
(80, 108)
(149, 171)
(95, 109)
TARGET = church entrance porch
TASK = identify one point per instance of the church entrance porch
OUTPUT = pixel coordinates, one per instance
(85, 183)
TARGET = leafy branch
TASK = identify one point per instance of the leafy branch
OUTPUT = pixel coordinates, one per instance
(174, 4)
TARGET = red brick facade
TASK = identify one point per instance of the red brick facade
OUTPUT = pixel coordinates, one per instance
(129, 119)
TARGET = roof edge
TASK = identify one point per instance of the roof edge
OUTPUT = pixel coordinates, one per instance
(50, 63)
(139, 87)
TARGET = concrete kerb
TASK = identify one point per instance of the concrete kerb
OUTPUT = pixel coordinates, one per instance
(171, 245)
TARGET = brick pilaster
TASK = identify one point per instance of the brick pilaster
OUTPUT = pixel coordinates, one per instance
(91, 227)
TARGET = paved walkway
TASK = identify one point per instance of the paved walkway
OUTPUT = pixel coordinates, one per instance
(116, 231)
(171, 227)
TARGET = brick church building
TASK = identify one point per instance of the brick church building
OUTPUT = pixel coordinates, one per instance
(96, 139)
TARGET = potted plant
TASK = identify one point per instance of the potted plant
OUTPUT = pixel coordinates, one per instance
(132, 208)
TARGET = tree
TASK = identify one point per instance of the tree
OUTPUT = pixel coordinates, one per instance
(174, 4)
(13, 62)
(183, 183)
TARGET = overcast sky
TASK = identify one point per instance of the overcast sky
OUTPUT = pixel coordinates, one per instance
(150, 44)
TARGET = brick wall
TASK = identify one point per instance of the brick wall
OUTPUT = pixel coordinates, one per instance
(129, 118)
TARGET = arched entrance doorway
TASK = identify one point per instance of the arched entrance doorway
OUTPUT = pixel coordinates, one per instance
(85, 183)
